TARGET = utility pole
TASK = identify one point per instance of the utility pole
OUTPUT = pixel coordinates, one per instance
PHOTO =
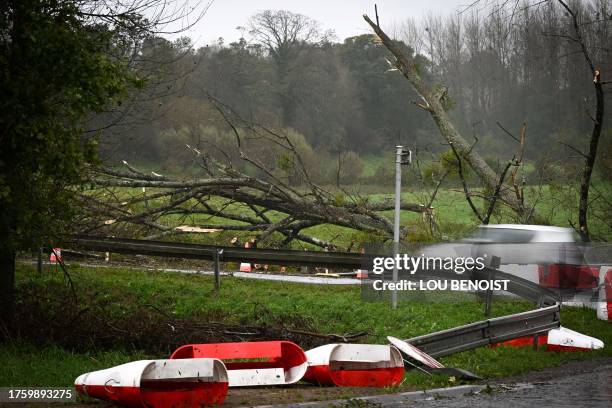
(401, 157)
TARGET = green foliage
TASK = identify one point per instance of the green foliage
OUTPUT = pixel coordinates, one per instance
(432, 171)
(51, 366)
(284, 162)
(55, 69)
(350, 167)
(383, 176)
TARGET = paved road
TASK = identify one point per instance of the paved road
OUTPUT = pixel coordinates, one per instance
(575, 385)
(591, 389)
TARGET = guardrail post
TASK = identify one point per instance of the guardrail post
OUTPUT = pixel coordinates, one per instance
(495, 263)
(39, 261)
(218, 253)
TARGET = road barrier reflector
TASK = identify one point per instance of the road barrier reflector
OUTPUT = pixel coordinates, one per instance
(355, 365)
(159, 383)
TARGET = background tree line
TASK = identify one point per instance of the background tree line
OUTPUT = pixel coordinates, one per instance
(501, 67)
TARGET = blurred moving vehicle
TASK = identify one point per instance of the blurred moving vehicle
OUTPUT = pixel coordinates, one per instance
(580, 273)
(556, 251)
(550, 256)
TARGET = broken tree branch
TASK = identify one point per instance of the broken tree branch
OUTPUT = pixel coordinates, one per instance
(408, 67)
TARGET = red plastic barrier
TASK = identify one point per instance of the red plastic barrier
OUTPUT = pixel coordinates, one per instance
(604, 307)
(563, 276)
(253, 363)
(159, 383)
(56, 255)
(558, 340)
(355, 365)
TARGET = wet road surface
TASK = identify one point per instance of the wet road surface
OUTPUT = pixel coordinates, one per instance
(576, 385)
(593, 389)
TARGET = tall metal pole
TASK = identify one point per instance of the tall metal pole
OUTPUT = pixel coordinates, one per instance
(396, 222)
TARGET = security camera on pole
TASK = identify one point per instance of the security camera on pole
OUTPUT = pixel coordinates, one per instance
(401, 157)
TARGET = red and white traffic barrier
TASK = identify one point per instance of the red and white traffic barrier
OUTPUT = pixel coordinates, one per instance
(261, 363)
(604, 305)
(158, 383)
(561, 339)
(355, 365)
(245, 266)
(566, 276)
(56, 255)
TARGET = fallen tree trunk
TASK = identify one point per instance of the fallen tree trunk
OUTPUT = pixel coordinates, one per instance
(432, 104)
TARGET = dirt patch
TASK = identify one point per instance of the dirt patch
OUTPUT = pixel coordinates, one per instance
(240, 397)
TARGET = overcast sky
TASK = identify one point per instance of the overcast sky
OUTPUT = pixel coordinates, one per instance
(341, 16)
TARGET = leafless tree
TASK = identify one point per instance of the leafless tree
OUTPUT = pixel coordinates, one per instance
(597, 118)
(280, 31)
(286, 35)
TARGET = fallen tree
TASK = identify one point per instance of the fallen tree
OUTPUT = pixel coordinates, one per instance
(432, 102)
(263, 200)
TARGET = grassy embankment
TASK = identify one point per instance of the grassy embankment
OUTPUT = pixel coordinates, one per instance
(129, 304)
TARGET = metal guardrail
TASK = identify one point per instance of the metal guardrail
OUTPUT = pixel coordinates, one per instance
(524, 288)
(516, 285)
(229, 254)
(491, 331)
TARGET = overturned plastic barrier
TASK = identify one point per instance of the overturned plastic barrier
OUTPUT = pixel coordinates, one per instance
(599, 298)
(355, 365)
(560, 340)
(159, 383)
(253, 363)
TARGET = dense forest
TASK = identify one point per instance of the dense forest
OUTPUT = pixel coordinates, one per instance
(499, 69)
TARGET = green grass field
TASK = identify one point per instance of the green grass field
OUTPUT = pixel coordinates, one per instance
(129, 303)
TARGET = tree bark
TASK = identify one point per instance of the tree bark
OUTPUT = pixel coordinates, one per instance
(433, 105)
(589, 161)
(587, 171)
